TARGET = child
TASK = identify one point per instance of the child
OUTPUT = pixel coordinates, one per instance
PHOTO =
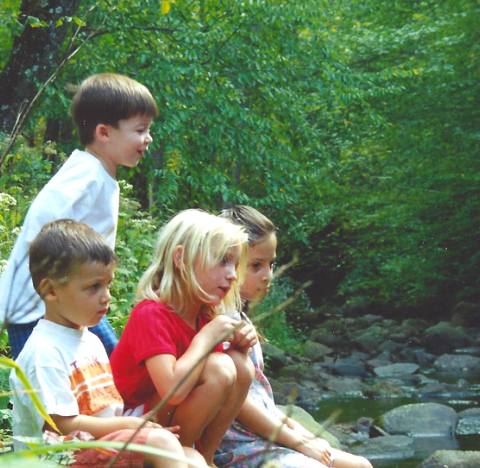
(72, 267)
(246, 442)
(113, 114)
(165, 349)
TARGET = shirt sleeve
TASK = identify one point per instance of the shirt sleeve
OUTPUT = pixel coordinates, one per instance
(151, 331)
(54, 391)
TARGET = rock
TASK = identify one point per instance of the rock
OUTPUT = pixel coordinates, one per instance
(422, 358)
(274, 357)
(371, 318)
(295, 371)
(444, 338)
(348, 367)
(387, 447)
(316, 351)
(394, 370)
(440, 390)
(326, 337)
(381, 360)
(368, 340)
(457, 363)
(390, 347)
(345, 386)
(363, 426)
(469, 422)
(452, 459)
(383, 389)
(302, 417)
(420, 420)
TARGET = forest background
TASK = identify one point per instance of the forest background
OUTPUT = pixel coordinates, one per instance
(353, 125)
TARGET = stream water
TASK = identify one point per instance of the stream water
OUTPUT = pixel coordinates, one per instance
(350, 409)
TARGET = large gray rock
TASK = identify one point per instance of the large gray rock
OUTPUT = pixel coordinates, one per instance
(316, 351)
(394, 370)
(452, 459)
(387, 447)
(369, 340)
(457, 363)
(345, 386)
(444, 338)
(275, 357)
(469, 422)
(420, 420)
(302, 417)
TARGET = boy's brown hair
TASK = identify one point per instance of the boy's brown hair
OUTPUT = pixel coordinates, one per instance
(63, 245)
(107, 98)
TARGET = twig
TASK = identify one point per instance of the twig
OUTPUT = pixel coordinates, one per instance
(25, 109)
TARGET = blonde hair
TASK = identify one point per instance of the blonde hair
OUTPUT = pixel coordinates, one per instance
(205, 239)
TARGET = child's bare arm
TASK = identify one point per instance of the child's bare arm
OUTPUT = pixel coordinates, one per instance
(98, 427)
(166, 371)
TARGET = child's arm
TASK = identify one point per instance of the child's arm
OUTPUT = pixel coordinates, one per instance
(259, 420)
(98, 427)
(167, 372)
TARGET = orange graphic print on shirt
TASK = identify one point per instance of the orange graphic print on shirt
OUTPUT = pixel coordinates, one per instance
(92, 384)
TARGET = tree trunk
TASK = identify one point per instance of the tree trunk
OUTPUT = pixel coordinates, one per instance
(35, 54)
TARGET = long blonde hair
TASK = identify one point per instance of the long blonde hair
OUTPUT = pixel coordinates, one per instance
(205, 239)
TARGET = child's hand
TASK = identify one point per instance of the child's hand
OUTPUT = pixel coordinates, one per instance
(220, 325)
(173, 430)
(245, 337)
(316, 448)
(134, 422)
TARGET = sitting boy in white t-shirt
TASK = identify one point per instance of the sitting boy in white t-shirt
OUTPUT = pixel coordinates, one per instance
(71, 267)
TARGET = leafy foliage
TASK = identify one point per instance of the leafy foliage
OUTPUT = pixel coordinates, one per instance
(353, 125)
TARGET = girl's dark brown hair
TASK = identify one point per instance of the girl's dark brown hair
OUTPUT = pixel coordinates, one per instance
(257, 225)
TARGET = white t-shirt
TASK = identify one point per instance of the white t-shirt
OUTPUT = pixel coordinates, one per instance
(71, 371)
(81, 190)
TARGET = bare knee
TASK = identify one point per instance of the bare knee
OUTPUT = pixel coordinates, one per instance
(364, 463)
(220, 371)
(193, 455)
(163, 439)
(243, 365)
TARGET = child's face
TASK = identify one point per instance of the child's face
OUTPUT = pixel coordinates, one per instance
(261, 258)
(217, 281)
(129, 141)
(84, 299)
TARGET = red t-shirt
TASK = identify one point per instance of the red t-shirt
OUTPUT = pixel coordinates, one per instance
(151, 329)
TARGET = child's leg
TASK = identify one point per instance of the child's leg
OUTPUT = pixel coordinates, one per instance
(347, 460)
(158, 438)
(219, 425)
(209, 408)
(192, 454)
(165, 440)
(204, 401)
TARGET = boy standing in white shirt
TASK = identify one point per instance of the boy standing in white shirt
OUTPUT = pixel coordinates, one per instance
(113, 115)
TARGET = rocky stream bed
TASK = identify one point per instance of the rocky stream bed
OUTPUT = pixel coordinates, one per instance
(405, 394)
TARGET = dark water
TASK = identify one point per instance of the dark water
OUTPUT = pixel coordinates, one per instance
(349, 409)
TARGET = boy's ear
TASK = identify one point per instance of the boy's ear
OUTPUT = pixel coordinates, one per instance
(47, 290)
(102, 132)
(177, 256)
